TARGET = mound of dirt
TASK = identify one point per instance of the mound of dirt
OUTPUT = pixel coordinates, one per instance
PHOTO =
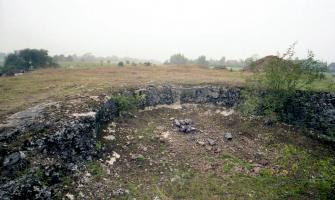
(260, 64)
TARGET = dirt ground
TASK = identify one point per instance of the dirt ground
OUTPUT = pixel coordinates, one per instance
(147, 157)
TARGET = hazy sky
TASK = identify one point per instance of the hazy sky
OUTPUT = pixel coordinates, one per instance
(156, 28)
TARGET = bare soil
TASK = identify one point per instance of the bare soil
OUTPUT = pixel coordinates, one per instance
(150, 159)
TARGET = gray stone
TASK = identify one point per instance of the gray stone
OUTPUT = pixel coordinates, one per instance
(185, 125)
(211, 141)
(14, 158)
(228, 136)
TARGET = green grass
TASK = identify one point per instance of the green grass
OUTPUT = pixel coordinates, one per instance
(327, 84)
(299, 176)
(96, 170)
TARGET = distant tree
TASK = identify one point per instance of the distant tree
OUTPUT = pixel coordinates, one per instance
(202, 61)
(88, 57)
(120, 64)
(27, 59)
(147, 63)
(2, 57)
(69, 58)
(331, 67)
(251, 60)
(222, 61)
(178, 59)
(14, 62)
(127, 62)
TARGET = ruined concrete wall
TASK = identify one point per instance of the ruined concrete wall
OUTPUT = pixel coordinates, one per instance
(219, 95)
(70, 138)
(314, 110)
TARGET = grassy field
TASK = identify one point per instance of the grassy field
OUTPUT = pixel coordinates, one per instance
(17, 93)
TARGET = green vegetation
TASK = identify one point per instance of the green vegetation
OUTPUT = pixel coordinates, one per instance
(308, 173)
(98, 146)
(298, 175)
(96, 170)
(27, 59)
(126, 104)
(273, 86)
(120, 64)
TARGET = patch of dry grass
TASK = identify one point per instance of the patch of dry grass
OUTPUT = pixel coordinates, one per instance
(17, 93)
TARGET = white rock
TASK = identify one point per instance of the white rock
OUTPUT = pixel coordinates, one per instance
(112, 159)
(87, 114)
(69, 196)
(109, 137)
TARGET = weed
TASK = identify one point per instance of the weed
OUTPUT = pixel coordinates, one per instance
(96, 169)
(148, 132)
(162, 147)
(232, 161)
(98, 146)
(66, 180)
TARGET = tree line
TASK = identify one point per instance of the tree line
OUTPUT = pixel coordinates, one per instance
(180, 59)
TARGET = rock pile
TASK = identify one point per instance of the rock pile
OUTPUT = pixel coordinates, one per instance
(184, 125)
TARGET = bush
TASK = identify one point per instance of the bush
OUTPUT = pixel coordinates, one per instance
(120, 64)
(147, 63)
(126, 104)
(271, 88)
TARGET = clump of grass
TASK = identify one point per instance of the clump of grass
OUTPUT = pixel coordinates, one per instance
(98, 146)
(232, 161)
(96, 169)
(148, 132)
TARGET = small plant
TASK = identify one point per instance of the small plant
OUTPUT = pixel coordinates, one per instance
(126, 104)
(98, 146)
(140, 158)
(96, 169)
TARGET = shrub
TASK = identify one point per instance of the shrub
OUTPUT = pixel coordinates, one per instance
(147, 63)
(271, 88)
(126, 104)
(120, 64)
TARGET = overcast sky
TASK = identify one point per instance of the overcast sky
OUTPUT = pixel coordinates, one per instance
(156, 28)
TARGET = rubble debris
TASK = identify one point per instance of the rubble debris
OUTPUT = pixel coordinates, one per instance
(184, 125)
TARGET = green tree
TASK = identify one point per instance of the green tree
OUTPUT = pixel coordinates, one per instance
(120, 64)
(27, 59)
